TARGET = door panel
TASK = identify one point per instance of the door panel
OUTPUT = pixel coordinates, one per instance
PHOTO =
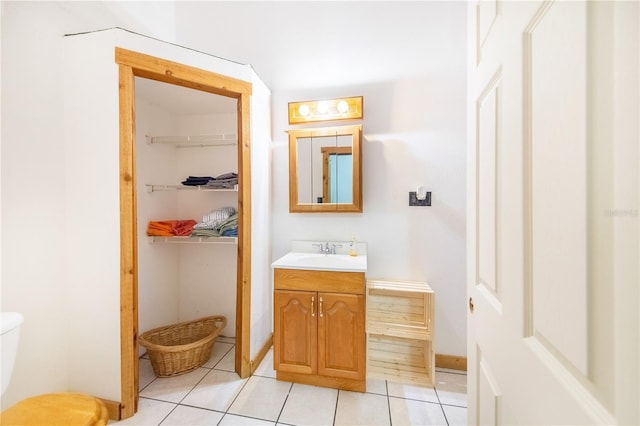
(544, 129)
(489, 407)
(295, 331)
(488, 116)
(341, 336)
(555, 187)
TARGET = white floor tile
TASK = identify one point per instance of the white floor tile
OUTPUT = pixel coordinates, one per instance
(173, 389)
(261, 398)
(206, 393)
(228, 362)
(265, 369)
(406, 412)
(191, 416)
(375, 385)
(452, 388)
(355, 408)
(233, 420)
(216, 391)
(403, 390)
(220, 349)
(309, 405)
(456, 416)
(146, 374)
(150, 412)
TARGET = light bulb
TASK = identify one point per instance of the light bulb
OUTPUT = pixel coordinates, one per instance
(343, 107)
(323, 108)
(303, 110)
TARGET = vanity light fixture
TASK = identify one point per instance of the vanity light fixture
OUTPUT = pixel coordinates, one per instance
(325, 110)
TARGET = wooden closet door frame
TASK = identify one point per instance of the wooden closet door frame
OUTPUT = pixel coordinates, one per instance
(132, 64)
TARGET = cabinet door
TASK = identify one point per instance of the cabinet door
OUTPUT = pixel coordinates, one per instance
(295, 331)
(341, 336)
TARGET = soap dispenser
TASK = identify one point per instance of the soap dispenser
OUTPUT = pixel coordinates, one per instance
(352, 246)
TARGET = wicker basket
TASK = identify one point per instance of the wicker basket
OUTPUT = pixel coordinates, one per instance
(179, 348)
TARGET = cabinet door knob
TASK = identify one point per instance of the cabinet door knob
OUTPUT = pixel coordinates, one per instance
(313, 306)
(320, 308)
(471, 304)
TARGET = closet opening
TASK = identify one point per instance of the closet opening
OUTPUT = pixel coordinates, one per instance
(177, 121)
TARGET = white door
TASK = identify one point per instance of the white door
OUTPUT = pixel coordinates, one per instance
(553, 188)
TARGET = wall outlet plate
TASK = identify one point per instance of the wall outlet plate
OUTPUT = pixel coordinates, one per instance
(413, 201)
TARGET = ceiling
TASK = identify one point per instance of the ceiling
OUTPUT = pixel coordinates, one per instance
(308, 45)
(315, 45)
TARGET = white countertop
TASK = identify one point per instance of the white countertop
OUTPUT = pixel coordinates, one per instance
(304, 257)
(322, 262)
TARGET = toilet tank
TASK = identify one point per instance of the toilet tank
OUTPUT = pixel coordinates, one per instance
(10, 326)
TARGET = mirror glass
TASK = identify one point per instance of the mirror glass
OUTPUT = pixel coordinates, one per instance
(325, 169)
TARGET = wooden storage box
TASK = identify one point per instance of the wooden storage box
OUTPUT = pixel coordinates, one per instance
(400, 331)
(400, 308)
(400, 359)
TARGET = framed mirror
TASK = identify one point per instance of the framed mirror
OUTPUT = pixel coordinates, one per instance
(325, 170)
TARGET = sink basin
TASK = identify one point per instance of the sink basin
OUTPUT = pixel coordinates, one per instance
(322, 262)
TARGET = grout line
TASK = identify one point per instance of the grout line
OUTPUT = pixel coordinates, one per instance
(437, 396)
(335, 410)
(444, 413)
(201, 408)
(236, 397)
(386, 386)
(453, 405)
(195, 385)
(222, 357)
(249, 417)
(415, 399)
(168, 414)
(284, 403)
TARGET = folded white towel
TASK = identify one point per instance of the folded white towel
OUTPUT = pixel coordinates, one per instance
(214, 218)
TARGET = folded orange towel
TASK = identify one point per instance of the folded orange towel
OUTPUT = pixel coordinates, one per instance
(170, 228)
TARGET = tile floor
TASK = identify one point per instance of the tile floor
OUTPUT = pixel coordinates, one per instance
(215, 395)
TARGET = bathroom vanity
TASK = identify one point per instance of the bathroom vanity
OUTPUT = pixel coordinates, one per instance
(319, 318)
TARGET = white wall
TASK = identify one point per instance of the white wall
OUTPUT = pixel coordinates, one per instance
(33, 191)
(100, 125)
(60, 231)
(158, 265)
(414, 134)
(261, 211)
(33, 195)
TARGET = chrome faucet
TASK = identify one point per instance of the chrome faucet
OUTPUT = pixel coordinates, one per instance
(322, 249)
(326, 249)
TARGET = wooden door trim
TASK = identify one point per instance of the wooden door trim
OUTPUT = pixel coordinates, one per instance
(327, 151)
(132, 64)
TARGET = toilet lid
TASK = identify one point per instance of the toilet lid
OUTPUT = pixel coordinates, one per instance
(57, 409)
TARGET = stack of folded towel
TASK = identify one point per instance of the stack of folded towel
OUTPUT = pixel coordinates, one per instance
(197, 180)
(226, 180)
(170, 228)
(222, 222)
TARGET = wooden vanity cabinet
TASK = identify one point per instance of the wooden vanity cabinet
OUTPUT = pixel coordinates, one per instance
(319, 328)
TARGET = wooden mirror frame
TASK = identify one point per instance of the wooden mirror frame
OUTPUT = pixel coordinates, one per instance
(295, 206)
